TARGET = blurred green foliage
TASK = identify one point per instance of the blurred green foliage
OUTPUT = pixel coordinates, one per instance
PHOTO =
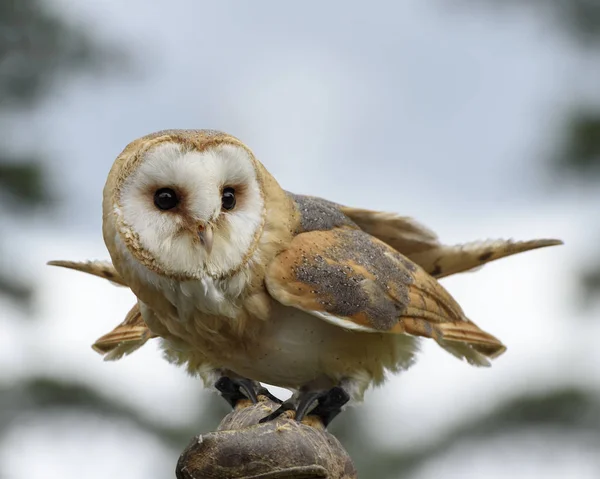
(578, 19)
(38, 49)
(23, 180)
(567, 411)
(52, 396)
(579, 133)
(579, 156)
(580, 151)
(38, 46)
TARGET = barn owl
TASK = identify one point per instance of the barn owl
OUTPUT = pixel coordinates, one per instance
(246, 283)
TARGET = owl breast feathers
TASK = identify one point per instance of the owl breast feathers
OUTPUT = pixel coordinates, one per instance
(243, 279)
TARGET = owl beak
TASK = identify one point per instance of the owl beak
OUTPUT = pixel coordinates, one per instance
(205, 232)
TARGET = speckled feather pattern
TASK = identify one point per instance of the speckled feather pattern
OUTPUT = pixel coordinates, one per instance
(352, 275)
(358, 282)
(317, 214)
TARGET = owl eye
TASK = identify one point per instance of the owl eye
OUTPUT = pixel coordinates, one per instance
(228, 198)
(165, 199)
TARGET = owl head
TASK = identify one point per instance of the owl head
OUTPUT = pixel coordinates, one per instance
(186, 203)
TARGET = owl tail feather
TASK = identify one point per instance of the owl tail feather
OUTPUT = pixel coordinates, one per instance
(127, 337)
(102, 269)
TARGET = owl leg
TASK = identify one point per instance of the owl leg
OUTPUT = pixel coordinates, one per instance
(328, 405)
(236, 389)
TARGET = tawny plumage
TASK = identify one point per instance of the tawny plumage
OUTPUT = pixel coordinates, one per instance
(102, 269)
(128, 336)
(245, 282)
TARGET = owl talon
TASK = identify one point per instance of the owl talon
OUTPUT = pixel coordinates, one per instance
(285, 406)
(234, 390)
(329, 405)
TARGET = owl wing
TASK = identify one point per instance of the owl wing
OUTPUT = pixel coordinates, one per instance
(102, 269)
(128, 336)
(445, 260)
(402, 233)
(357, 282)
(422, 245)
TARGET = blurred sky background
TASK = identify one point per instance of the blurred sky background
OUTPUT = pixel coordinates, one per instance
(468, 117)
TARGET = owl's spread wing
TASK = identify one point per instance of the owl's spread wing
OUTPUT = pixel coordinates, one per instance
(128, 336)
(102, 269)
(445, 260)
(357, 282)
(422, 246)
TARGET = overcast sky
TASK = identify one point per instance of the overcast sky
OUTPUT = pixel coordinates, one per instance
(441, 114)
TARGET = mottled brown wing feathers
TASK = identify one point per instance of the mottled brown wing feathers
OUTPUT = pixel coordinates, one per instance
(128, 336)
(355, 281)
(422, 246)
(102, 269)
(433, 313)
(402, 233)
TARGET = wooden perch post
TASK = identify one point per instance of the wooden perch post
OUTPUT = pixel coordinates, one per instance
(241, 448)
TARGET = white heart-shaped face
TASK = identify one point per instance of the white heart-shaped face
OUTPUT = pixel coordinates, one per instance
(175, 193)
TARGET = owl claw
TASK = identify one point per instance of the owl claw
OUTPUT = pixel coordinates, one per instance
(285, 406)
(234, 390)
(262, 391)
(329, 405)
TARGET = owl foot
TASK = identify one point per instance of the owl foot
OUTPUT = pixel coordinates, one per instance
(236, 389)
(329, 405)
(262, 391)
